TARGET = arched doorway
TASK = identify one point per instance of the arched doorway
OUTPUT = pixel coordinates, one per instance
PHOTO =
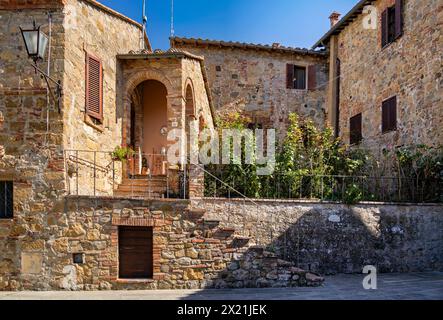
(149, 120)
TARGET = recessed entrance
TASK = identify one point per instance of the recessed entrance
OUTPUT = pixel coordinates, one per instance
(148, 129)
(135, 252)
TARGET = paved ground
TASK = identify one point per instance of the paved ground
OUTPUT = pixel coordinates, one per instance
(421, 286)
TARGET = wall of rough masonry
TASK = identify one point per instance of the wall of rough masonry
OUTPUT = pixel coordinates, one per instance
(255, 81)
(332, 238)
(31, 135)
(409, 68)
(193, 76)
(92, 31)
(189, 250)
(217, 243)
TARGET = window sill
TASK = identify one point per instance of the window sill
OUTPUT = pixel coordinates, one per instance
(135, 281)
(389, 131)
(90, 122)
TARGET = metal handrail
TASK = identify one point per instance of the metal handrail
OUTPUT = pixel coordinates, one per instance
(225, 184)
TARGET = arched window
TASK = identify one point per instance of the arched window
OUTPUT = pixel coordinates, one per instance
(190, 108)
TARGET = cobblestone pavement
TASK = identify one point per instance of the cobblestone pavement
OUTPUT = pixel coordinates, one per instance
(421, 286)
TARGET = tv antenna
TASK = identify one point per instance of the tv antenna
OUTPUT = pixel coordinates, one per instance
(172, 18)
(145, 20)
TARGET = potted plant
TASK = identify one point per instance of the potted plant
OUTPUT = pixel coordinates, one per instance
(122, 154)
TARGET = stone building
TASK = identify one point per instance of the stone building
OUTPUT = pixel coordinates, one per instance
(386, 74)
(116, 92)
(267, 82)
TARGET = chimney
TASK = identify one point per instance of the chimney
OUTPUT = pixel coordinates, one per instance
(334, 18)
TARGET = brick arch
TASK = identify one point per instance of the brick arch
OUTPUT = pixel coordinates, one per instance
(141, 76)
(132, 81)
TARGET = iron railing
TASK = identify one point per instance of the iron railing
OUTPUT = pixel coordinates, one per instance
(99, 173)
(331, 188)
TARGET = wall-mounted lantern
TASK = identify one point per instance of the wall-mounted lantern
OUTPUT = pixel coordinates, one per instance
(36, 43)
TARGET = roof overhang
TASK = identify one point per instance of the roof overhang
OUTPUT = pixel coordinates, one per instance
(174, 41)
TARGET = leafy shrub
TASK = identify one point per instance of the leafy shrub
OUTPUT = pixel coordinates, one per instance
(311, 163)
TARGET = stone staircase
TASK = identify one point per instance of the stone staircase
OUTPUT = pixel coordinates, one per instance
(243, 264)
(142, 187)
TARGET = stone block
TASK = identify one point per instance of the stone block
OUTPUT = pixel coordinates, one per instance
(31, 263)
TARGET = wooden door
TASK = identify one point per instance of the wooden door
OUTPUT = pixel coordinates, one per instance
(135, 253)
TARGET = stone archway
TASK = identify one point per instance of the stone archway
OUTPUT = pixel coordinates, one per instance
(132, 82)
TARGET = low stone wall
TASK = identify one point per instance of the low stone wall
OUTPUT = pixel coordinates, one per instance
(334, 238)
(216, 243)
(189, 250)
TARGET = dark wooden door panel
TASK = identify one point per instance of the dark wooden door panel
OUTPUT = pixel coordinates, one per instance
(135, 253)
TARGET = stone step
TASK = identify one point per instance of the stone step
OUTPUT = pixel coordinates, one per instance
(211, 221)
(139, 195)
(144, 177)
(126, 188)
(143, 182)
(196, 214)
(226, 229)
(240, 242)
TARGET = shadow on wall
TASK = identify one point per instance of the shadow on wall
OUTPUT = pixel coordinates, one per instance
(319, 242)
(345, 239)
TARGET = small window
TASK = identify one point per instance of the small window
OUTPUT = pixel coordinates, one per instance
(389, 115)
(296, 77)
(94, 88)
(392, 23)
(355, 125)
(78, 258)
(6, 200)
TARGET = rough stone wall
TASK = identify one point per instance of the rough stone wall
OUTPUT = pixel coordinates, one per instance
(410, 68)
(255, 81)
(207, 248)
(193, 75)
(32, 141)
(93, 31)
(331, 238)
(31, 138)
(189, 251)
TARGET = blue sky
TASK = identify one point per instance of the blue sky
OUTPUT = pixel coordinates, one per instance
(297, 23)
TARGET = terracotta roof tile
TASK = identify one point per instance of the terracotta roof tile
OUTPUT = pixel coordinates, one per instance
(241, 45)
